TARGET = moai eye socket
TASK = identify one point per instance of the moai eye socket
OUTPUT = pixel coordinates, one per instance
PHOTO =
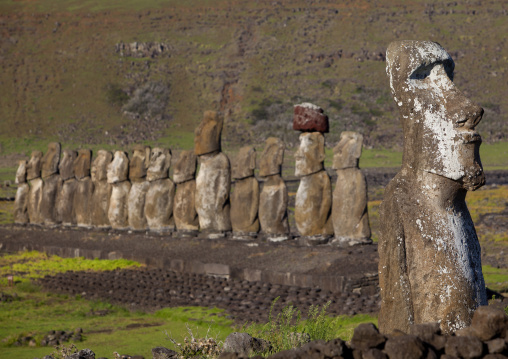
(422, 72)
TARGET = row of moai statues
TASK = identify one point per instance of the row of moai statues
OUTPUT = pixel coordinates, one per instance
(113, 191)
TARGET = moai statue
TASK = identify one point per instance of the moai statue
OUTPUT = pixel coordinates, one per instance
(349, 209)
(161, 192)
(52, 184)
(65, 198)
(33, 176)
(139, 186)
(429, 255)
(184, 210)
(213, 183)
(84, 188)
(245, 197)
(314, 195)
(21, 200)
(101, 189)
(117, 173)
(273, 200)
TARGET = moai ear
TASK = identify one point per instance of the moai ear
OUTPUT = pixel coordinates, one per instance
(280, 154)
(148, 152)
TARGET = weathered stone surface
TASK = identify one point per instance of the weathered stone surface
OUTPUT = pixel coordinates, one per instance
(118, 212)
(497, 346)
(100, 203)
(50, 189)
(184, 210)
(136, 205)
(272, 157)
(66, 166)
(213, 185)
(99, 170)
(310, 118)
(244, 206)
(310, 154)
(34, 200)
(160, 161)
(159, 205)
(82, 201)
(244, 163)
(185, 167)
(407, 346)
(139, 162)
(313, 205)
(33, 168)
(21, 172)
(349, 210)
(244, 344)
(367, 336)
(65, 201)
(273, 202)
(207, 137)
(489, 323)
(50, 160)
(82, 164)
(464, 347)
(347, 152)
(163, 353)
(21, 204)
(118, 169)
(430, 264)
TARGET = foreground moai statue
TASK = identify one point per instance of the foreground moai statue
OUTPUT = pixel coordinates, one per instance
(33, 176)
(139, 186)
(245, 197)
(273, 200)
(430, 264)
(52, 184)
(314, 195)
(117, 173)
(101, 195)
(161, 192)
(349, 209)
(65, 198)
(184, 209)
(213, 183)
(21, 200)
(84, 188)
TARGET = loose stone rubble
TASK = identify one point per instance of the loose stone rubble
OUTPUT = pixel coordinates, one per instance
(430, 265)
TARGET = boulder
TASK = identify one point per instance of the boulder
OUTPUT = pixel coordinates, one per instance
(164, 353)
(244, 344)
(310, 118)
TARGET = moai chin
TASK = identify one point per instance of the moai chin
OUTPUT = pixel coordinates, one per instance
(101, 189)
(273, 200)
(245, 196)
(161, 192)
(430, 263)
(33, 176)
(52, 184)
(349, 209)
(117, 173)
(184, 209)
(65, 197)
(21, 199)
(139, 186)
(84, 188)
(314, 195)
(214, 178)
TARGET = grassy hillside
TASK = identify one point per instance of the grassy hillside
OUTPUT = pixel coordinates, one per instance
(69, 72)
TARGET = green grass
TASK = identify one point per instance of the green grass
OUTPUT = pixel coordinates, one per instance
(496, 278)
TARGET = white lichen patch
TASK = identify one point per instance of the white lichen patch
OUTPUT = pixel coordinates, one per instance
(309, 106)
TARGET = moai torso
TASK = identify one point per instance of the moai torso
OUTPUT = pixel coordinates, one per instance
(139, 186)
(349, 209)
(33, 175)
(245, 197)
(101, 189)
(273, 200)
(52, 184)
(184, 210)
(430, 262)
(117, 173)
(161, 192)
(21, 200)
(84, 188)
(65, 197)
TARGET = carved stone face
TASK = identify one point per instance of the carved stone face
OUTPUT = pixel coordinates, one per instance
(438, 120)
(245, 163)
(348, 151)
(139, 162)
(82, 163)
(66, 166)
(33, 168)
(160, 161)
(118, 169)
(100, 165)
(310, 154)
(272, 157)
(185, 167)
(51, 159)
(21, 173)
(207, 137)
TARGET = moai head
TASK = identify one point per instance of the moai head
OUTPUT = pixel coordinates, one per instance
(118, 169)
(185, 167)
(21, 172)
(51, 159)
(33, 168)
(348, 151)
(245, 163)
(207, 137)
(310, 154)
(160, 161)
(82, 163)
(66, 166)
(100, 165)
(438, 120)
(272, 157)
(139, 162)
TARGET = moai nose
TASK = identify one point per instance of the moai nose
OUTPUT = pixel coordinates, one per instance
(472, 116)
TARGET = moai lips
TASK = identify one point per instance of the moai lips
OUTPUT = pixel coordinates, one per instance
(310, 118)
